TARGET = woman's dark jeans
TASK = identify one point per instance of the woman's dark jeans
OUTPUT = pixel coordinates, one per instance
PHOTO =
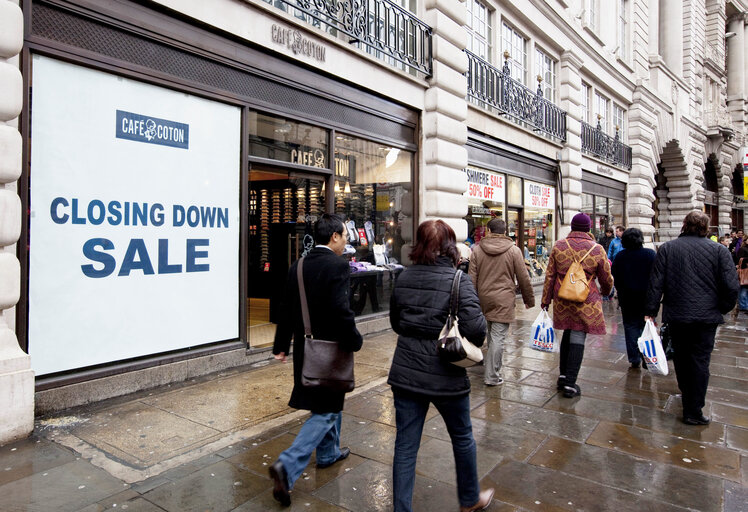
(632, 329)
(410, 414)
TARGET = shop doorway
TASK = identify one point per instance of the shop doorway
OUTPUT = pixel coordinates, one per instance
(282, 208)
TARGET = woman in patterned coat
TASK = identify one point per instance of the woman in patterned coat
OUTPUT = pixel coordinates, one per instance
(577, 319)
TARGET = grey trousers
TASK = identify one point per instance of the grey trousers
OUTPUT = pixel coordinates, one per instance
(497, 332)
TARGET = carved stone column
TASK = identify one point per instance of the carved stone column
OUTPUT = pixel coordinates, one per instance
(444, 137)
(736, 69)
(16, 377)
(671, 34)
(570, 100)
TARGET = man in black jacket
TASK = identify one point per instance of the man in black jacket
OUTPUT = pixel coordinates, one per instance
(326, 281)
(698, 284)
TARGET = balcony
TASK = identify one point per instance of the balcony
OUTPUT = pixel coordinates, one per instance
(598, 143)
(379, 27)
(494, 88)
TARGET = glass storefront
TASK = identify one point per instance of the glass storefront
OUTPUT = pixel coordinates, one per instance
(605, 212)
(527, 207)
(372, 190)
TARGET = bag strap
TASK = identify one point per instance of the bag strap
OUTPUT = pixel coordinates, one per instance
(302, 296)
(454, 298)
(585, 255)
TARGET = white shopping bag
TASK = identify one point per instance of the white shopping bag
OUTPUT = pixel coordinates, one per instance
(650, 346)
(543, 335)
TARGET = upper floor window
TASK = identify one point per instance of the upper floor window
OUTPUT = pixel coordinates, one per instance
(479, 29)
(601, 111)
(515, 44)
(586, 89)
(546, 68)
(593, 11)
(622, 29)
(619, 122)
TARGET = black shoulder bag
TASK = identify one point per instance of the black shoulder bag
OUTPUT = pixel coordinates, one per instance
(325, 365)
(453, 347)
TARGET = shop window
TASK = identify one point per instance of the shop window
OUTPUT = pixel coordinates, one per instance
(286, 140)
(373, 192)
(538, 229)
(514, 190)
(486, 197)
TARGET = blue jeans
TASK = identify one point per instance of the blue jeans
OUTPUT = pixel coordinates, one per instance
(410, 414)
(320, 432)
(633, 328)
(743, 298)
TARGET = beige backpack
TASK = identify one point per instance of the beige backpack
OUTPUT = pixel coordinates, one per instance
(575, 286)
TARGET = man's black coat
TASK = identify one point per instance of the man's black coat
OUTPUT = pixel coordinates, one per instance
(696, 280)
(327, 281)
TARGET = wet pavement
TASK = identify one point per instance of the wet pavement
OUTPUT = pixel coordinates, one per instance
(205, 445)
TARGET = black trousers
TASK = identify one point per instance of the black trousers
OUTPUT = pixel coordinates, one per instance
(692, 345)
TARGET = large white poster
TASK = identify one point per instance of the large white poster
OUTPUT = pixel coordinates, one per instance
(134, 232)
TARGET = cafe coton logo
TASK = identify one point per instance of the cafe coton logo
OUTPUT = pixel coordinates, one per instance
(297, 43)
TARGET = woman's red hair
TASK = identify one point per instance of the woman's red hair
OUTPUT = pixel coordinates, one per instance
(434, 238)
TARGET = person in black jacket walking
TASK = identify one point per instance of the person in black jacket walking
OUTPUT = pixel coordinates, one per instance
(419, 307)
(631, 270)
(698, 284)
(326, 281)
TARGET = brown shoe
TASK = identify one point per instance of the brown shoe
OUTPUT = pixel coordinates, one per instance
(484, 500)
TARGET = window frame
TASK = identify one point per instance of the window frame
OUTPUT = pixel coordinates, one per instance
(619, 121)
(507, 46)
(476, 36)
(541, 59)
(586, 94)
(623, 25)
(599, 100)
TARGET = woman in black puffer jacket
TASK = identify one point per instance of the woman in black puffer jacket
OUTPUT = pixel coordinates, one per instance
(419, 307)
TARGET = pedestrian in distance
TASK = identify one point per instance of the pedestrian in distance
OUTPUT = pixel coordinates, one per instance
(631, 270)
(737, 244)
(576, 319)
(419, 306)
(615, 245)
(607, 239)
(496, 268)
(697, 283)
(327, 281)
(742, 254)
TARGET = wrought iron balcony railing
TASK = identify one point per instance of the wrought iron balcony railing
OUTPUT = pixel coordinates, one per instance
(598, 143)
(494, 87)
(385, 29)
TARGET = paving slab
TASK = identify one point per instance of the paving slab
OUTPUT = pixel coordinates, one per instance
(684, 453)
(633, 474)
(220, 487)
(534, 488)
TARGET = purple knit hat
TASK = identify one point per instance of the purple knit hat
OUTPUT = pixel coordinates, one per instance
(581, 222)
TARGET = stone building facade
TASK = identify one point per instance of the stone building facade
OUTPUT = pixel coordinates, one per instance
(460, 110)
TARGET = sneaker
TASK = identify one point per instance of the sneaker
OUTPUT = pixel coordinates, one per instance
(497, 383)
(484, 500)
(696, 420)
(571, 391)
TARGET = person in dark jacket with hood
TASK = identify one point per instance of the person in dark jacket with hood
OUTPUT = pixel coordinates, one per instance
(631, 270)
(326, 282)
(419, 306)
(742, 262)
(698, 284)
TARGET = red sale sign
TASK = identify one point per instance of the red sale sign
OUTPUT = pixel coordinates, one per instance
(540, 196)
(485, 185)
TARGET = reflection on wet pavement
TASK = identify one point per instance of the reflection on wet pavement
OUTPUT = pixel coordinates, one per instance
(207, 444)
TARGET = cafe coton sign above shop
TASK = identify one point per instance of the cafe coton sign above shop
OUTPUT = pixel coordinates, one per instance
(297, 43)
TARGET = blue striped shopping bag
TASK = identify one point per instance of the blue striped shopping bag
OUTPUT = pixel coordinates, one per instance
(543, 335)
(650, 346)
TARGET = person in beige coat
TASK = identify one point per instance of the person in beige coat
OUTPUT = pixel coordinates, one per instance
(496, 266)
